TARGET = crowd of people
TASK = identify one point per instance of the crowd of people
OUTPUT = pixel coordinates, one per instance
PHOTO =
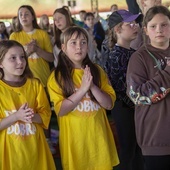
(86, 70)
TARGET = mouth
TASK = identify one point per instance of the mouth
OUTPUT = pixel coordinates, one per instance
(79, 53)
(20, 68)
(160, 36)
(59, 25)
(135, 33)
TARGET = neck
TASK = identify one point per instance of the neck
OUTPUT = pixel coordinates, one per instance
(162, 46)
(125, 44)
(28, 29)
(15, 83)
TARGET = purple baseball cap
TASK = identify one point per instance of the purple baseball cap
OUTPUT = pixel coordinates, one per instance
(123, 16)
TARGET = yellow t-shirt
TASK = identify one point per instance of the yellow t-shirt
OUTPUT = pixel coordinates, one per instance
(39, 67)
(86, 140)
(23, 146)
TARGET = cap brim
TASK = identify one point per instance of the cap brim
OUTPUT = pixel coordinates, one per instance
(137, 18)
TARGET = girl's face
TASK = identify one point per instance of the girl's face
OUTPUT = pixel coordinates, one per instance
(45, 20)
(2, 27)
(82, 14)
(128, 31)
(25, 17)
(76, 49)
(158, 30)
(13, 64)
(60, 21)
(89, 21)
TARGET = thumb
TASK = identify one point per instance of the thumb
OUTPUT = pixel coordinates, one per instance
(24, 106)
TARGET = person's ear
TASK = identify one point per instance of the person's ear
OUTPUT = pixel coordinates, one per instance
(1, 66)
(63, 48)
(145, 30)
(117, 30)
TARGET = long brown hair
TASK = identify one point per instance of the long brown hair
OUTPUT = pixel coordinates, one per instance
(65, 69)
(34, 22)
(5, 45)
(58, 32)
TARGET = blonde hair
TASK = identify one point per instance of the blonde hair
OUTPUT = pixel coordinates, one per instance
(112, 40)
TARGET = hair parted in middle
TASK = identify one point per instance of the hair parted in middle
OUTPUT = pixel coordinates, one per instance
(64, 70)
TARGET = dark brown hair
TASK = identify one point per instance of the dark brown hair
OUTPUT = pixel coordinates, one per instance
(64, 71)
(88, 14)
(58, 32)
(5, 31)
(34, 22)
(154, 11)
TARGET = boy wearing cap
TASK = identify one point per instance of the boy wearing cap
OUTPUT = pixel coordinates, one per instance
(144, 5)
(124, 28)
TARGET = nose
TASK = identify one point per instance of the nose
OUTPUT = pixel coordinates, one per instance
(78, 45)
(19, 60)
(159, 29)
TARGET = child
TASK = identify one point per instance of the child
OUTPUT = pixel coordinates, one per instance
(81, 92)
(95, 29)
(123, 29)
(62, 20)
(35, 41)
(45, 24)
(144, 5)
(3, 32)
(96, 36)
(148, 84)
(25, 111)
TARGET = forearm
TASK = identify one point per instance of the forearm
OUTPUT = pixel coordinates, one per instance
(71, 102)
(103, 98)
(7, 121)
(45, 55)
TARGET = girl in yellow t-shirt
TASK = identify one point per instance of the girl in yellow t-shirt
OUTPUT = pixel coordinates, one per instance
(24, 112)
(80, 91)
(35, 41)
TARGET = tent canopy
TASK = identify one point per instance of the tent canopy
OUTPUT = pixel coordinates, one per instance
(9, 8)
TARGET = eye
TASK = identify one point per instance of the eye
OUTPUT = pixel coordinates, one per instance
(164, 25)
(13, 58)
(22, 57)
(73, 42)
(83, 42)
(152, 26)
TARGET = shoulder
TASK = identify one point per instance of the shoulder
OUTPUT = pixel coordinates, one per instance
(51, 78)
(34, 82)
(101, 70)
(14, 34)
(140, 53)
(117, 51)
(41, 32)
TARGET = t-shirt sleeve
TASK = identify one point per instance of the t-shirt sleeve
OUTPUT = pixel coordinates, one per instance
(47, 42)
(55, 93)
(106, 85)
(43, 105)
